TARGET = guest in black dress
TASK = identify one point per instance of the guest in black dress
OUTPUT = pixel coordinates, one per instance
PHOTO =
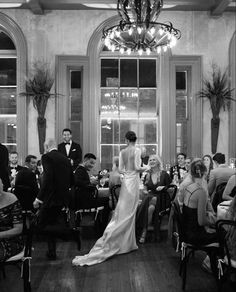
(11, 241)
(196, 216)
(154, 183)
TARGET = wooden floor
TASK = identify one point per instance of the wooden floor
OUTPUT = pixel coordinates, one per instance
(152, 268)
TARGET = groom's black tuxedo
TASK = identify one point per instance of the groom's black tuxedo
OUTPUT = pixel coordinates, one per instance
(75, 153)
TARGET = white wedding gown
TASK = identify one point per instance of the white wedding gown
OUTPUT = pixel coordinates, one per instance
(119, 236)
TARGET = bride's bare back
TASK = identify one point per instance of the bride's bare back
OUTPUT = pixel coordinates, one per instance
(130, 159)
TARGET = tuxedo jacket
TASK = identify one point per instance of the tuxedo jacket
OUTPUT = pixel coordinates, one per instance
(75, 153)
(56, 180)
(3, 167)
(26, 187)
(83, 188)
(18, 168)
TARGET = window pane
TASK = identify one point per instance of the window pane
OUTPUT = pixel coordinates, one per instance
(147, 102)
(7, 100)
(109, 102)
(110, 131)
(7, 71)
(76, 105)
(147, 131)
(147, 73)
(76, 128)
(181, 80)
(127, 125)
(109, 73)
(5, 42)
(129, 102)
(107, 154)
(128, 73)
(8, 131)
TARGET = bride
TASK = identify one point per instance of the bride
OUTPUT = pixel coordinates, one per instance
(119, 236)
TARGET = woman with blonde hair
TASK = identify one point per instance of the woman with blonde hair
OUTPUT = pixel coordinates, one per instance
(154, 182)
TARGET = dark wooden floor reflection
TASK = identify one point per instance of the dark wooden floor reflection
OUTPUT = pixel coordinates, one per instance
(152, 268)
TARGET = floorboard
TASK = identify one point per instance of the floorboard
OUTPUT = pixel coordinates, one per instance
(152, 268)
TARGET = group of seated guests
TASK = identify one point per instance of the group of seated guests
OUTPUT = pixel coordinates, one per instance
(197, 182)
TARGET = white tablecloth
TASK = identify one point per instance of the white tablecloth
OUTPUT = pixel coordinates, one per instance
(222, 209)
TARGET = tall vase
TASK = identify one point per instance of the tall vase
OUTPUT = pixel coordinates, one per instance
(215, 124)
(41, 121)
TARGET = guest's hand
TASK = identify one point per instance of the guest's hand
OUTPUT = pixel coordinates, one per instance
(160, 188)
(37, 203)
(93, 180)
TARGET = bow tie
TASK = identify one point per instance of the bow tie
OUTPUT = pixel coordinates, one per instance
(67, 143)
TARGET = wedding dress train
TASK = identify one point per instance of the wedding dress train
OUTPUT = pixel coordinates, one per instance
(119, 236)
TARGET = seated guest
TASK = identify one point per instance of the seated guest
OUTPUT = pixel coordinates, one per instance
(115, 176)
(188, 161)
(230, 189)
(220, 174)
(178, 171)
(4, 158)
(11, 241)
(154, 182)
(144, 156)
(13, 167)
(85, 187)
(207, 160)
(26, 186)
(231, 233)
(39, 173)
(195, 214)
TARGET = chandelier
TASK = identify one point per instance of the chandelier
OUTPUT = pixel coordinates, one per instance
(138, 29)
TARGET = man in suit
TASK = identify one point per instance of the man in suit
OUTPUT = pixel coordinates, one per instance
(13, 167)
(220, 174)
(4, 157)
(70, 149)
(26, 186)
(85, 188)
(177, 171)
(54, 192)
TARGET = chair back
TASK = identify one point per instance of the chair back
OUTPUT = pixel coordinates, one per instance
(115, 191)
(178, 219)
(165, 198)
(217, 199)
(227, 244)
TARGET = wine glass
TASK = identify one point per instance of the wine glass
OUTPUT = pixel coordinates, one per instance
(102, 182)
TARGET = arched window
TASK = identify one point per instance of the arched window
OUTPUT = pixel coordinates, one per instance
(13, 55)
(8, 85)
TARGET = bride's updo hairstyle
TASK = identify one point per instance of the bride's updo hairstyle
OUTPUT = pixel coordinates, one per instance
(198, 169)
(131, 136)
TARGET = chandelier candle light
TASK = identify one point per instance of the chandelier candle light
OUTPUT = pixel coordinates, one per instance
(138, 29)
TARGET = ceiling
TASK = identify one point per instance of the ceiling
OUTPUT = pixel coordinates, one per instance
(215, 7)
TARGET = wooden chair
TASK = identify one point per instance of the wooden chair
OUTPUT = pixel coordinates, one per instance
(163, 207)
(23, 258)
(115, 191)
(226, 265)
(188, 249)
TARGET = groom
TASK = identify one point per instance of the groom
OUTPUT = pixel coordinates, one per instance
(70, 149)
